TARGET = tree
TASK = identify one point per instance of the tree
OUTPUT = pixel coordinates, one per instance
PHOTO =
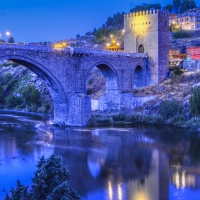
(195, 101)
(11, 40)
(78, 36)
(169, 7)
(50, 182)
(2, 41)
(186, 5)
(145, 6)
(31, 95)
(19, 193)
(176, 5)
(63, 191)
(49, 174)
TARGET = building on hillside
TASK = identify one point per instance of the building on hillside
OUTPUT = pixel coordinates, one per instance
(148, 32)
(189, 20)
(194, 53)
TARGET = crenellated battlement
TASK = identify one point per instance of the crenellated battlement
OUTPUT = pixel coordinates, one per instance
(146, 12)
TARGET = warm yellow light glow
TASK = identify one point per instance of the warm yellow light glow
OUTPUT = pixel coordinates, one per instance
(64, 44)
(118, 44)
(107, 44)
(7, 33)
(119, 192)
(173, 22)
(111, 36)
(114, 41)
(110, 191)
(123, 31)
(141, 196)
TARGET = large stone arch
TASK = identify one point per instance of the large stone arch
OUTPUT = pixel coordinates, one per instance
(61, 108)
(109, 72)
(139, 76)
(111, 99)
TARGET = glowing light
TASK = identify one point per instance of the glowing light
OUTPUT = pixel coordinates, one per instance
(119, 192)
(118, 44)
(7, 33)
(173, 22)
(107, 44)
(123, 31)
(111, 36)
(110, 191)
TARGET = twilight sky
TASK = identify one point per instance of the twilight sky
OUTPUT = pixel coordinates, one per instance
(51, 20)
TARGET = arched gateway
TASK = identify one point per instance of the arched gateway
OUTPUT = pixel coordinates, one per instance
(65, 74)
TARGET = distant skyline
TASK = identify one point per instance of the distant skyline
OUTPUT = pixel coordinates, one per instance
(51, 20)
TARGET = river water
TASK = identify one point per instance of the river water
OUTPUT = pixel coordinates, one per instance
(115, 163)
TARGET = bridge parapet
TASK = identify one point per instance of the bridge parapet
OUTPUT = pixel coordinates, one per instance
(30, 47)
(97, 52)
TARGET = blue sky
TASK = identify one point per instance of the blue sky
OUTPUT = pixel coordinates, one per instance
(51, 20)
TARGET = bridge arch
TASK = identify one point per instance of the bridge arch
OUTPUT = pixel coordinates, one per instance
(61, 111)
(109, 73)
(111, 99)
(139, 76)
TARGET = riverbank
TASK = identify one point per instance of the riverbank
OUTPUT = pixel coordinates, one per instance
(106, 119)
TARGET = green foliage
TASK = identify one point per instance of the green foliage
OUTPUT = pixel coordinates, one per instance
(195, 101)
(11, 40)
(50, 182)
(99, 120)
(13, 101)
(176, 70)
(64, 191)
(145, 6)
(19, 193)
(169, 7)
(119, 118)
(50, 174)
(170, 109)
(186, 5)
(1, 94)
(181, 34)
(31, 95)
(176, 5)
(3, 41)
(14, 64)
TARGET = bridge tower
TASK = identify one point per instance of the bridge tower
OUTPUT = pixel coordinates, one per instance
(148, 32)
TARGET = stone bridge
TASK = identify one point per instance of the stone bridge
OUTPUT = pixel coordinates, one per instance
(66, 71)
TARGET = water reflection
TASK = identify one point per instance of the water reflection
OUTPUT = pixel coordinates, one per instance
(135, 163)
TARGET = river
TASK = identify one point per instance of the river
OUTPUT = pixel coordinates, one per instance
(112, 163)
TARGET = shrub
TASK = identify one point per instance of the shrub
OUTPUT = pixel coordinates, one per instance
(13, 101)
(120, 117)
(181, 34)
(170, 108)
(31, 95)
(63, 191)
(19, 193)
(195, 101)
(14, 64)
(49, 174)
(50, 182)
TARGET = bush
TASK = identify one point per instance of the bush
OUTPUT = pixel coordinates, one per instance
(14, 64)
(181, 34)
(19, 193)
(31, 95)
(119, 118)
(13, 101)
(170, 108)
(49, 174)
(195, 101)
(50, 182)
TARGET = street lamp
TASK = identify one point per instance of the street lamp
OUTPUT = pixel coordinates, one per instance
(7, 33)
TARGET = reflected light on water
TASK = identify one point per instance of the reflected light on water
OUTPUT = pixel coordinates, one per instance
(141, 196)
(119, 192)
(110, 190)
